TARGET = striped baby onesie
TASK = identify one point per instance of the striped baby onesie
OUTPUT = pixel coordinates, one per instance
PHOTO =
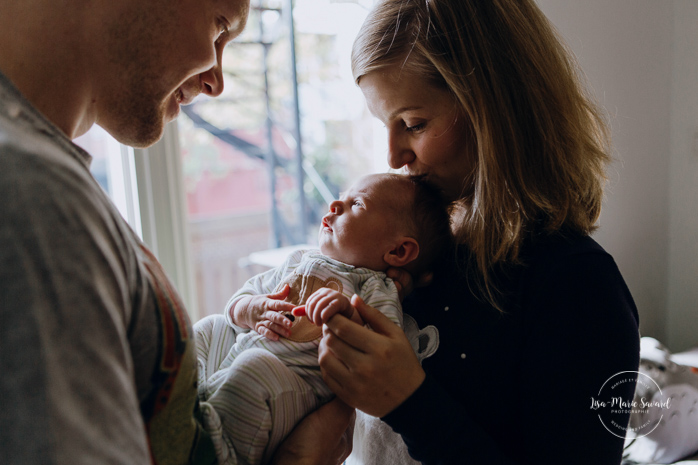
(254, 390)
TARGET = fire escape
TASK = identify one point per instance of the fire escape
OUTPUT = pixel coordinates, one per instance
(272, 26)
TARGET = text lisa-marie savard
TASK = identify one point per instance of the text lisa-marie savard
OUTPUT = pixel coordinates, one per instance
(618, 402)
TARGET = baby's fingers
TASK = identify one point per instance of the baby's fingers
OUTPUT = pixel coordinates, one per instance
(327, 306)
(279, 306)
(299, 311)
(323, 307)
(277, 318)
(312, 309)
(282, 294)
(335, 305)
(273, 326)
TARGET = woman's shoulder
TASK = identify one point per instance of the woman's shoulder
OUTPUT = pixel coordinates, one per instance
(569, 259)
(552, 249)
(540, 254)
(574, 271)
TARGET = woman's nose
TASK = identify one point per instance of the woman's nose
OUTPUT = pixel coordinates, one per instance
(400, 152)
(336, 207)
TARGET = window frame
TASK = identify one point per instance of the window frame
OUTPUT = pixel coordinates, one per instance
(163, 214)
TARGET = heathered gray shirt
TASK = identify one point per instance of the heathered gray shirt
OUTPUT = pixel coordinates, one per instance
(97, 357)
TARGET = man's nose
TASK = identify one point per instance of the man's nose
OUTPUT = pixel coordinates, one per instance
(212, 80)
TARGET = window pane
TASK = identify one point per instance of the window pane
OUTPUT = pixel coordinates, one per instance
(112, 166)
(239, 154)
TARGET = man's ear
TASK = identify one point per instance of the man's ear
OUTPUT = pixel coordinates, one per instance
(406, 251)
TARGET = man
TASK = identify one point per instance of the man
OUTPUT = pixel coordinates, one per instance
(97, 360)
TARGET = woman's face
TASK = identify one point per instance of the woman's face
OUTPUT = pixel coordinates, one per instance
(427, 132)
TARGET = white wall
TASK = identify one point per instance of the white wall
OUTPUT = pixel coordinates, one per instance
(640, 57)
(682, 317)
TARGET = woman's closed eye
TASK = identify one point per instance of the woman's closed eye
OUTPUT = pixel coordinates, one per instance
(415, 128)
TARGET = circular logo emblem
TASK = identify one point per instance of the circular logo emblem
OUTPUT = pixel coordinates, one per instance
(646, 407)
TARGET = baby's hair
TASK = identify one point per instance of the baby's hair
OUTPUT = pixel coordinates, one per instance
(431, 223)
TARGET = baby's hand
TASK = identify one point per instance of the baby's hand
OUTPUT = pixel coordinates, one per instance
(323, 305)
(263, 314)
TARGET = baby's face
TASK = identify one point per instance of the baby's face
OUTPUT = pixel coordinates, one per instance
(366, 222)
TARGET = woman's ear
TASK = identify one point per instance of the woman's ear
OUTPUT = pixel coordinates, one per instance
(406, 251)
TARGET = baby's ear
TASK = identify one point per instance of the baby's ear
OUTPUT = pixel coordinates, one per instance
(406, 251)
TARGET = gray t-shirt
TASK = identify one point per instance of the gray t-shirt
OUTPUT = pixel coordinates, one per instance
(97, 357)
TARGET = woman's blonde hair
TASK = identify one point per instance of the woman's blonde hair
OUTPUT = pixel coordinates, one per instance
(541, 144)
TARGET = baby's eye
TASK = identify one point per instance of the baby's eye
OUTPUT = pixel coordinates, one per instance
(357, 203)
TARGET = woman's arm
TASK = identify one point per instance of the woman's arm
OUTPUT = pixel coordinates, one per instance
(580, 330)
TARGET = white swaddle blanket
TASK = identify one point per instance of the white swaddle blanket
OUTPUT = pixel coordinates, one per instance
(375, 443)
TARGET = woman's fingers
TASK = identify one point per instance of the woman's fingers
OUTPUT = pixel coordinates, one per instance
(372, 370)
(334, 371)
(335, 349)
(357, 335)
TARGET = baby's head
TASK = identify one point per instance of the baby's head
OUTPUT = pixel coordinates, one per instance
(386, 220)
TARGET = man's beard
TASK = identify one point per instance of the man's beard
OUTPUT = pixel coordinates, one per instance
(137, 119)
(134, 111)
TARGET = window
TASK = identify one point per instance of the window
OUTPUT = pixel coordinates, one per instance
(249, 186)
(113, 167)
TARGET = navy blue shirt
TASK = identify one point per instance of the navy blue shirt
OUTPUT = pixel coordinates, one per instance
(516, 387)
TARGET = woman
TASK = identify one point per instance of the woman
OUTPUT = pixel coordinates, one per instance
(533, 316)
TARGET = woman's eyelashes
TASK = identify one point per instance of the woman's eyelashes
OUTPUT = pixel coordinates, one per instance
(414, 128)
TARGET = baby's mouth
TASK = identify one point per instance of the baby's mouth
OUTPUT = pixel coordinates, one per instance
(326, 225)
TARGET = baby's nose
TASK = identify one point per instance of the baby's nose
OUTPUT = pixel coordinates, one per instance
(336, 207)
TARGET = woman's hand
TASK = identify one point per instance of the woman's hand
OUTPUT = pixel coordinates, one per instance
(324, 437)
(263, 314)
(374, 370)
